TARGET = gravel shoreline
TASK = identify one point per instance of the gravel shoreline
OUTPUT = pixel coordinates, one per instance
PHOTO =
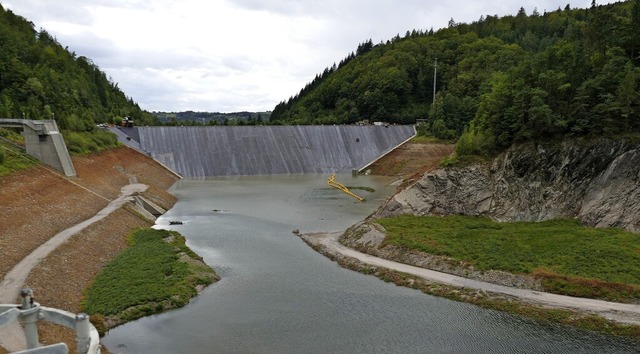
(461, 288)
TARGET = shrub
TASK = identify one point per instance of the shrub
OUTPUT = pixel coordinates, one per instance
(473, 142)
(104, 138)
(80, 143)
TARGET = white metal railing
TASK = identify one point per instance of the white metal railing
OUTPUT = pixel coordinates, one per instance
(30, 312)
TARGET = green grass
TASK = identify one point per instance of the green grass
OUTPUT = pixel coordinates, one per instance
(149, 277)
(569, 258)
(11, 160)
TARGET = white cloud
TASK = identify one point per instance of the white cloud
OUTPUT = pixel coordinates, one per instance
(233, 55)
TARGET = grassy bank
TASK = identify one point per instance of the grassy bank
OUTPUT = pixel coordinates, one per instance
(12, 160)
(570, 259)
(157, 273)
(11, 157)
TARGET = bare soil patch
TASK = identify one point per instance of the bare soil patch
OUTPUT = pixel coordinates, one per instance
(411, 160)
(37, 203)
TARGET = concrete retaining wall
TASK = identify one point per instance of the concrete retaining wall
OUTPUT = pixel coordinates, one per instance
(44, 142)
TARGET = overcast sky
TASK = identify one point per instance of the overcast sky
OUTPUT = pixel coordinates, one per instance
(237, 55)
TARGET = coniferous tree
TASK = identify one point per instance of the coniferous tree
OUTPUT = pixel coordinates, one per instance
(504, 80)
(635, 31)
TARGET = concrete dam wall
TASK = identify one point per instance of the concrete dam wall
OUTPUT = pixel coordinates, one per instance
(198, 152)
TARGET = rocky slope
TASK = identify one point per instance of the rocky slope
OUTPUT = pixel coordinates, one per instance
(596, 181)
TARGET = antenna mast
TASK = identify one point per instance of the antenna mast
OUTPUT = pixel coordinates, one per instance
(435, 71)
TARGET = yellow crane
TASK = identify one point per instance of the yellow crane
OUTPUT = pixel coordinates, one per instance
(332, 182)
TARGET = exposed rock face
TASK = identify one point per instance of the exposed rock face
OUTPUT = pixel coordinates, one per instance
(594, 181)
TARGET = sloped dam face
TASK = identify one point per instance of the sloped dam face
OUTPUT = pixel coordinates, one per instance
(199, 152)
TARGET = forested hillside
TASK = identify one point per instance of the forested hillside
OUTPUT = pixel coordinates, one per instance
(39, 79)
(212, 118)
(499, 80)
(502, 80)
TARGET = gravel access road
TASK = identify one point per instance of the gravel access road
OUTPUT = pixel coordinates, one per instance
(626, 313)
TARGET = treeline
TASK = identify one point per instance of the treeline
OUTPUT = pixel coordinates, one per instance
(39, 79)
(191, 118)
(500, 80)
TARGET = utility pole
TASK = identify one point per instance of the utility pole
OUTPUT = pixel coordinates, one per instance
(435, 72)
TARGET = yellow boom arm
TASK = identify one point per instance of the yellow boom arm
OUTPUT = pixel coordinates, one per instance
(331, 182)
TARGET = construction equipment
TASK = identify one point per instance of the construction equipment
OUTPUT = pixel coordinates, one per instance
(127, 122)
(331, 182)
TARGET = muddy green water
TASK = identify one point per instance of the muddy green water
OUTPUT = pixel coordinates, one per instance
(277, 295)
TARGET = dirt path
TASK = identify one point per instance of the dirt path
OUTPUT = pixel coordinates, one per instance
(15, 278)
(12, 337)
(627, 313)
(37, 204)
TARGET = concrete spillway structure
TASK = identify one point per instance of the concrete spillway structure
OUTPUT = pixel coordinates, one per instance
(199, 152)
(43, 141)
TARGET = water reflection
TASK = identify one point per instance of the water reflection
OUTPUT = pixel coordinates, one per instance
(279, 296)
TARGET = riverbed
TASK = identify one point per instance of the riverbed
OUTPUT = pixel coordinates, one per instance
(277, 295)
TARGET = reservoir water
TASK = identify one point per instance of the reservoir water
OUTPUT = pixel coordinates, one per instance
(277, 295)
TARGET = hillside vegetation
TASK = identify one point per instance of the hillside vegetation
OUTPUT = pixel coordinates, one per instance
(41, 79)
(191, 118)
(499, 80)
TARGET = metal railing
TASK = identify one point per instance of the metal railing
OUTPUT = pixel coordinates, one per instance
(38, 126)
(30, 312)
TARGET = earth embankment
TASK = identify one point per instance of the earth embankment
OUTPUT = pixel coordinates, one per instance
(38, 203)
